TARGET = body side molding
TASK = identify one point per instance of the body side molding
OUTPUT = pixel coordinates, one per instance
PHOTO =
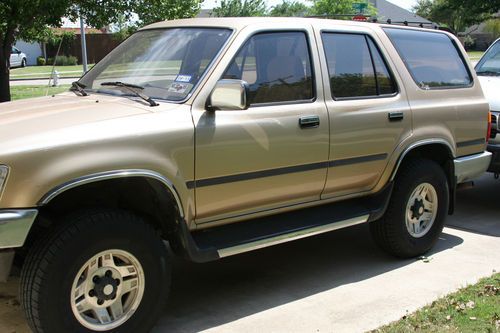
(114, 174)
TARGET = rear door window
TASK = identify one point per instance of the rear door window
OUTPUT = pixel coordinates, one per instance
(355, 67)
(432, 58)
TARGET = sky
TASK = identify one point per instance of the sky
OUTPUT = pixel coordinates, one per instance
(406, 4)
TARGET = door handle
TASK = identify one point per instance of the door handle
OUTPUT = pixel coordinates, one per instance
(309, 122)
(395, 116)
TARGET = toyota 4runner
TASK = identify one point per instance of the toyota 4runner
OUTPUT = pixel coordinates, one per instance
(223, 136)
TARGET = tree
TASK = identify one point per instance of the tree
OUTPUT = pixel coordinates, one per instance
(158, 10)
(30, 19)
(289, 8)
(240, 8)
(457, 14)
(339, 7)
(493, 27)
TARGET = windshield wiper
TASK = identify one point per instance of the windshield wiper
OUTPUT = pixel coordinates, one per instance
(488, 73)
(78, 88)
(133, 88)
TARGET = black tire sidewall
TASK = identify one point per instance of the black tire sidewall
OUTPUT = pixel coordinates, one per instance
(427, 172)
(129, 237)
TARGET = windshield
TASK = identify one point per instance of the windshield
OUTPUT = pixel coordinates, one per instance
(167, 63)
(490, 63)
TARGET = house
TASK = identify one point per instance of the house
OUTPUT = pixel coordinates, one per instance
(389, 11)
(32, 51)
(482, 38)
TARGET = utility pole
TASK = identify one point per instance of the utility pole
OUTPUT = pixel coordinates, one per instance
(84, 45)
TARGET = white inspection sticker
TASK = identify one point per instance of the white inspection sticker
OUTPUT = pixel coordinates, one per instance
(179, 88)
(183, 78)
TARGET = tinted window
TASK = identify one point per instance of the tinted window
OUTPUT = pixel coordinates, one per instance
(276, 66)
(490, 62)
(355, 66)
(385, 83)
(432, 58)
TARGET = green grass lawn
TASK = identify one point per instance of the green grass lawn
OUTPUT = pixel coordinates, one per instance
(22, 92)
(475, 308)
(44, 72)
(475, 55)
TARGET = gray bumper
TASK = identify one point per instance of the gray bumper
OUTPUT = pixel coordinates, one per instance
(14, 226)
(472, 166)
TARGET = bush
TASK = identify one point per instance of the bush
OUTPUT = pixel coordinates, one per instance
(469, 42)
(72, 60)
(50, 61)
(61, 60)
(40, 61)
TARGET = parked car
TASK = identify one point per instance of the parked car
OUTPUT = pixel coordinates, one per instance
(224, 136)
(17, 58)
(488, 71)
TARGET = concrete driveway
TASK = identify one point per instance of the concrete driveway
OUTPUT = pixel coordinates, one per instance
(339, 282)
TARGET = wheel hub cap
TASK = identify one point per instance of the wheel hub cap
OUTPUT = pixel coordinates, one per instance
(107, 290)
(421, 210)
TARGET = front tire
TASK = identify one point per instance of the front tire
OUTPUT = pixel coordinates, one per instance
(415, 216)
(23, 62)
(104, 270)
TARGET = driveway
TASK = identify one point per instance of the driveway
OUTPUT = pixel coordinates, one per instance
(338, 282)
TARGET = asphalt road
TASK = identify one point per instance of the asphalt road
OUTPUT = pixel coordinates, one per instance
(338, 282)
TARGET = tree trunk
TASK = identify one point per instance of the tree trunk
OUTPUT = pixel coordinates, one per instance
(6, 43)
(4, 78)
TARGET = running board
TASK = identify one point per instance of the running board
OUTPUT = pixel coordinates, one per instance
(234, 238)
(247, 247)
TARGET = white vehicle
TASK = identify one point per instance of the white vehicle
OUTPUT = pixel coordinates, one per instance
(488, 72)
(17, 58)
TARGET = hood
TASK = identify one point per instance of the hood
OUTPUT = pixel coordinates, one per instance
(491, 90)
(39, 120)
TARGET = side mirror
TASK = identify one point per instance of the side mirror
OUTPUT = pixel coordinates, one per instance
(229, 95)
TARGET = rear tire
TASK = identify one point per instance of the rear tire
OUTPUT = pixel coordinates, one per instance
(415, 216)
(107, 261)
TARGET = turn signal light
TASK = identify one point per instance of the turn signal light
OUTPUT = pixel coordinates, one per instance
(488, 134)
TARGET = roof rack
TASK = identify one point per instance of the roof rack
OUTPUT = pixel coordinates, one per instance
(412, 23)
(373, 19)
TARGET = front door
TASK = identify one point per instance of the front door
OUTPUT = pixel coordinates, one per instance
(263, 158)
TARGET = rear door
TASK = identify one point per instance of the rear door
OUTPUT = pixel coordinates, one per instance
(368, 109)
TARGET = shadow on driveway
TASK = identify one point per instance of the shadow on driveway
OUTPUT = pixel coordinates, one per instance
(478, 208)
(208, 295)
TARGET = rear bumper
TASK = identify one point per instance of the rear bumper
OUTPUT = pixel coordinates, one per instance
(494, 149)
(472, 166)
(15, 225)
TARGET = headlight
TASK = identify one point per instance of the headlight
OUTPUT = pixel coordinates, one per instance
(4, 171)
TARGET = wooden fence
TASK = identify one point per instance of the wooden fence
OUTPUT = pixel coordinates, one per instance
(98, 46)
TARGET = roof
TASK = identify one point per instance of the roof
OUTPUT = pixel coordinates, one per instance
(238, 23)
(241, 22)
(388, 10)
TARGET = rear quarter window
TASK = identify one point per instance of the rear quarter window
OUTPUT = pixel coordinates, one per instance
(432, 58)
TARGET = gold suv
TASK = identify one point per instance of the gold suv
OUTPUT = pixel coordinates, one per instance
(223, 136)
